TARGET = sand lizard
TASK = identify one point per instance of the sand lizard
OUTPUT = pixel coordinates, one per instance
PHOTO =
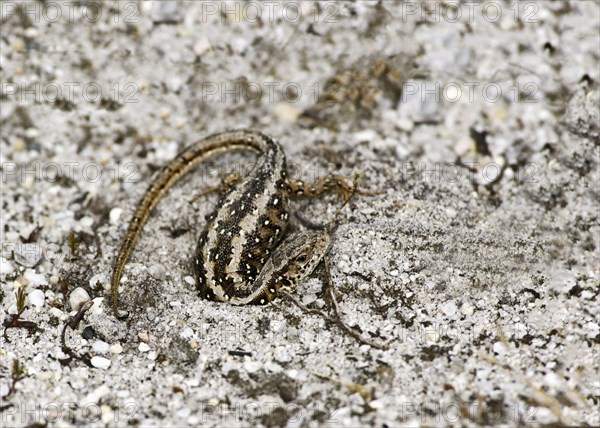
(239, 257)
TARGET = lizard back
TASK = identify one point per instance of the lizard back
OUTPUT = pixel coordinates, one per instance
(244, 230)
(255, 198)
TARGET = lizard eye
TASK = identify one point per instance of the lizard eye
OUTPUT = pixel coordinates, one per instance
(301, 258)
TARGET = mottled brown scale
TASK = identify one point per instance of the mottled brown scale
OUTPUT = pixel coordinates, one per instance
(244, 230)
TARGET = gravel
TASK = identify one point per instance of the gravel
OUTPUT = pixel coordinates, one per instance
(475, 262)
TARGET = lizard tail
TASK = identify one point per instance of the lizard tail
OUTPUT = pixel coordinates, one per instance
(184, 162)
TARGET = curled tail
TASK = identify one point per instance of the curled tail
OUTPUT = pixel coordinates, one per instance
(184, 162)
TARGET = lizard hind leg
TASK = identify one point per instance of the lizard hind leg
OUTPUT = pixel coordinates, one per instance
(336, 182)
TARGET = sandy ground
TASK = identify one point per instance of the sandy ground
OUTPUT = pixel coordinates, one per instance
(475, 266)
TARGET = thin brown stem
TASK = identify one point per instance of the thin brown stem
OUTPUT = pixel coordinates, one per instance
(336, 320)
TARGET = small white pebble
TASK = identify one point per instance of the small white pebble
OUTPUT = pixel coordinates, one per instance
(100, 362)
(394, 272)
(97, 306)
(464, 146)
(6, 267)
(252, 366)
(55, 312)
(4, 389)
(36, 298)
(449, 308)
(78, 297)
(273, 367)
(100, 347)
(45, 375)
(99, 278)
(158, 271)
(186, 333)
(143, 347)
(143, 336)
(499, 348)
(405, 124)
(377, 404)
(86, 221)
(114, 215)
(35, 279)
(116, 348)
(286, 112)
(12, 309)
(545, 416)
(31, 32)
(282, 354)
(194, 383)
(202, 46)
(367, 211)
(32, 133)
(309, 298)
(102, 391)
(467, 309)
(189, 280)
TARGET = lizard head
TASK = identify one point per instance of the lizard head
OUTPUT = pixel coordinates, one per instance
(298, 257)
